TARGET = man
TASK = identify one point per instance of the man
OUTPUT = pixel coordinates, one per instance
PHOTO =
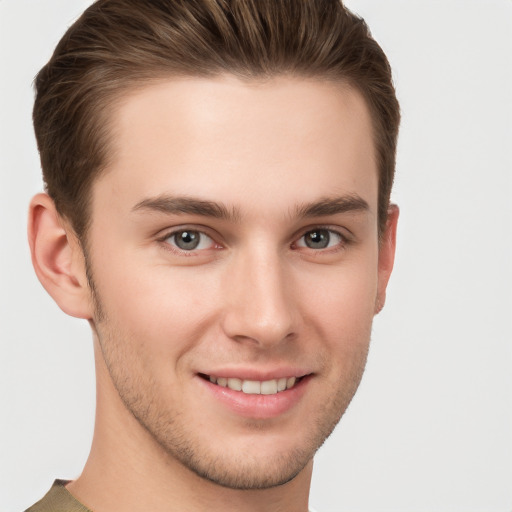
(218, 177)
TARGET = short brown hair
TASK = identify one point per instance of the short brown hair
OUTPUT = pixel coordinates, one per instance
(117, 45)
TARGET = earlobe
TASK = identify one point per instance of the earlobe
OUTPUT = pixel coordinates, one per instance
(386, 256)
(57, 258)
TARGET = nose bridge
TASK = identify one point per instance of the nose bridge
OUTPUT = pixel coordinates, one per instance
(260, 305)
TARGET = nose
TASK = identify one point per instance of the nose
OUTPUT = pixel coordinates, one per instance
(259, 304)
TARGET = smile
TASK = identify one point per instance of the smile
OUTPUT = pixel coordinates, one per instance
(255, 387)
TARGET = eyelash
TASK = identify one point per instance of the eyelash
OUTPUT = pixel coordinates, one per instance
(182, 252)
(343, 242)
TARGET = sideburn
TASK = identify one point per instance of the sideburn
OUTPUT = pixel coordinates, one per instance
(99, 311)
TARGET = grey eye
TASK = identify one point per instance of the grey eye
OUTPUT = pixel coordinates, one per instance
(317, 239)
(187, 240)
(320, 239)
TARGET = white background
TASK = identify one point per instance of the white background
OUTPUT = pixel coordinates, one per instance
(431, 426)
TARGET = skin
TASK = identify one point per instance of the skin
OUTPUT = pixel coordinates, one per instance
(252, 299)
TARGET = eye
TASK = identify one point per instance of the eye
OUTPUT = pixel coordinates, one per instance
(320, 238)
(190, 240)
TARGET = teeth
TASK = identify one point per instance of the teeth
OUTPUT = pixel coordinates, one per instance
(251, 387)
(290, 382)
(281, 384)
(269, 387)
(255, 387)
(235, 384)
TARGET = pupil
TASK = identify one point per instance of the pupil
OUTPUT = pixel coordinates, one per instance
(187, 240)
(318, 239)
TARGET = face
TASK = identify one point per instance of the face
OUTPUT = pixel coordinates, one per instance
(235, 259)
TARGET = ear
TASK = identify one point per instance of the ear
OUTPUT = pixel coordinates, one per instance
(386, 256)
(58, 258)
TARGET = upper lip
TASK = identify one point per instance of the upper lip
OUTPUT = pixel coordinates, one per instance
(256, 374)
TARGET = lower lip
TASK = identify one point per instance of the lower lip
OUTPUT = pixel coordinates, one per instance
(258, 406)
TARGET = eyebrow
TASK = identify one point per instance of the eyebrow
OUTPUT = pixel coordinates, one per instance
(193, 206)
(332, 206)
(188, 205)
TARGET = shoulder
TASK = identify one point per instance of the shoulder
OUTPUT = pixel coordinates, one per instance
(58, 499)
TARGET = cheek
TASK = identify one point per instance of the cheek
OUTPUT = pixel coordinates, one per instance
(343, 300)
(159, 308)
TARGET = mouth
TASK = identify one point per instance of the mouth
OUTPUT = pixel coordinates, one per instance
(254, 387)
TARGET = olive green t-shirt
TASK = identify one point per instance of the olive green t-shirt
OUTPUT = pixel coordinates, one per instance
(58, 499)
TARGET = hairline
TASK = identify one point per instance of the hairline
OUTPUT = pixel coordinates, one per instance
(114, 99)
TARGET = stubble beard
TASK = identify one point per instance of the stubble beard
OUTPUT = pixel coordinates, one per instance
(244, 471)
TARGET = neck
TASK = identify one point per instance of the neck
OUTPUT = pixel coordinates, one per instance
(128, 470)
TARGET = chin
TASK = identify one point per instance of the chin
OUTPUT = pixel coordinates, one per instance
(246, 472)
(258, 459)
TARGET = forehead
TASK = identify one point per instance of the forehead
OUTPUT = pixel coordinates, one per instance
(283, 140)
